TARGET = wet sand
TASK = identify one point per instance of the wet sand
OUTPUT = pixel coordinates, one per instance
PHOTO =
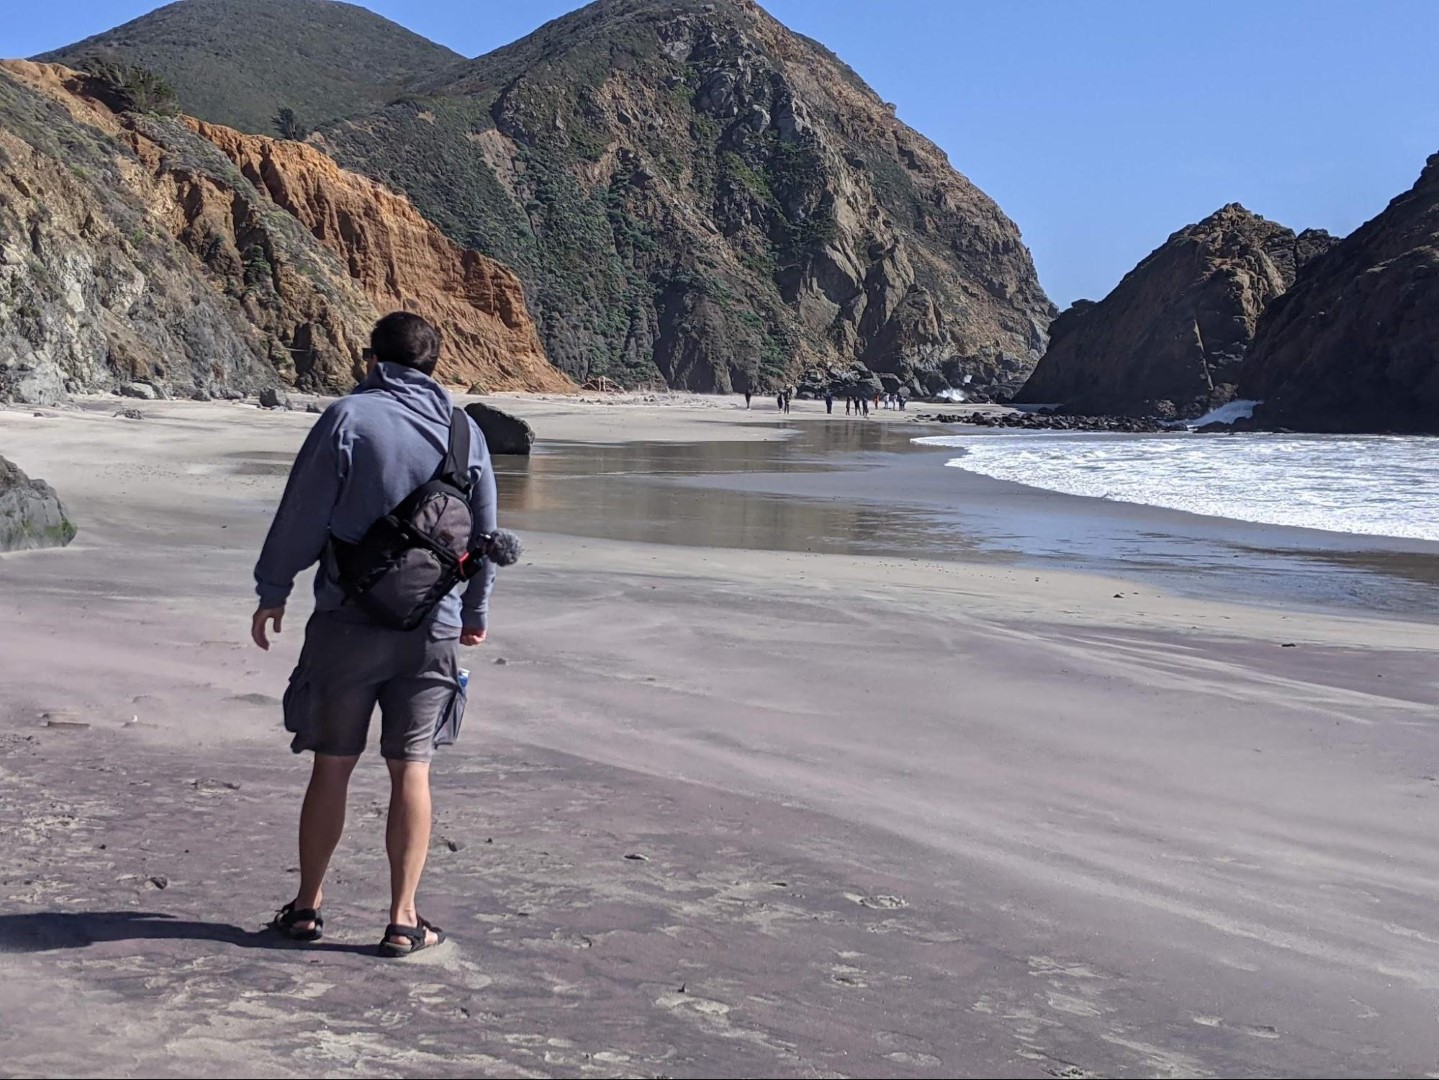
(913, 816)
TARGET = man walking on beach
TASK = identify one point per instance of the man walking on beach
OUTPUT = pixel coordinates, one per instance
(364, 457)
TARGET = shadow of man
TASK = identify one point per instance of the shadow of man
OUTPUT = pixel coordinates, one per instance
(43, 931)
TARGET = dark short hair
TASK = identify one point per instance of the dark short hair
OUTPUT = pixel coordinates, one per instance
(404, 338)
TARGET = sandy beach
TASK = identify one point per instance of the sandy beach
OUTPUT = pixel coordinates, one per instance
(839, 804)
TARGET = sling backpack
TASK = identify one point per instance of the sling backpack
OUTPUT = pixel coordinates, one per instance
(412, 557)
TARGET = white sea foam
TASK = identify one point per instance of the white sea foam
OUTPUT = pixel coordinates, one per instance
(1374, 485)
(1225, 414)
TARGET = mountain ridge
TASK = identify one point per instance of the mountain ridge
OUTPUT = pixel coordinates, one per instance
(227, 59)
(690, 192)
(694, 193)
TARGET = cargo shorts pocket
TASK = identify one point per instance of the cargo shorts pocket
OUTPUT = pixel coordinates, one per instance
(447, 728)
(299, 715)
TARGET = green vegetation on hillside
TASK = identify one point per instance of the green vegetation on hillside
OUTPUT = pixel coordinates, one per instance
(238, 62)
(688, 191)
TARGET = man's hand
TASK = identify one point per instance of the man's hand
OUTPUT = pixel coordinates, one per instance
(471, 636)
(257, 624)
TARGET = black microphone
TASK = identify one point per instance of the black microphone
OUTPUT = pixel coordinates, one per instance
(501, 547)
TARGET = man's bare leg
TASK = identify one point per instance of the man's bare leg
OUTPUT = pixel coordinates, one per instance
(407, 840)
(322, 822)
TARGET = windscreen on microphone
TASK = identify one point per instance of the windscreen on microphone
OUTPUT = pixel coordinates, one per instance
(504, 548)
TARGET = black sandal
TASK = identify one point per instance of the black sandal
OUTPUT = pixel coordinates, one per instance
(415, 935)
(286, 918)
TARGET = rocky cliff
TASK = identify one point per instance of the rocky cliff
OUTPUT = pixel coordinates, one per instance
(1354, 346)
(692, 192)
(134, 250)
(400, 260)
(1170, 339)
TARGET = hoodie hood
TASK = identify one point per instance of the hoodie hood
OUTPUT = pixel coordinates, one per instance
(414, 390)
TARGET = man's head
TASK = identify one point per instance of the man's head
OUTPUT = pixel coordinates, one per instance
(406, 339)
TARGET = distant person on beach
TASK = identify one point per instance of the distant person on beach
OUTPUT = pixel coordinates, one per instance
(829, 401)
(365, 456)
(865, 403)
(786, 402)
(779, 401)
(848, 401)
(747, 396)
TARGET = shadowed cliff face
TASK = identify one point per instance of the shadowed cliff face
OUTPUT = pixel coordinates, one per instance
(1170, 338)
(134, 250)
(692, 192)
(1354, 346)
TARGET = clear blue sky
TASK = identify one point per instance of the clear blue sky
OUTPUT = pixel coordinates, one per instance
(1099, 126)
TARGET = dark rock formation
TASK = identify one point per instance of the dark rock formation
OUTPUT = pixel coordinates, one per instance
(272, 398)
(1354, 346)
(504, 434)
(1051, 421)
(31, 515)
(1170, 339)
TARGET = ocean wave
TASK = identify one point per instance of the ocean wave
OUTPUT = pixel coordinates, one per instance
(1369, 485)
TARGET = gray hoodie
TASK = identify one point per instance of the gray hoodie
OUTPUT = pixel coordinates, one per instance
(364, 455)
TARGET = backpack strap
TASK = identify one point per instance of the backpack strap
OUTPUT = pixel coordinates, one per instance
(456, 467)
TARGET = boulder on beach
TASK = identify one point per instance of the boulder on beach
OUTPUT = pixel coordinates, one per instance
(31, 515)
(504, 434)
(273, 398)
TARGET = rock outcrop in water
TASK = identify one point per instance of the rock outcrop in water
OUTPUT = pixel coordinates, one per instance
(1354, 346)
(135, 253)
(1171, 337)
(31, 515)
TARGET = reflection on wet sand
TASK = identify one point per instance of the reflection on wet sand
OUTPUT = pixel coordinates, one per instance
(630, 492)
(865, 489)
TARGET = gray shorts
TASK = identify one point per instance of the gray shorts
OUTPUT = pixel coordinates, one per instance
(347, 667)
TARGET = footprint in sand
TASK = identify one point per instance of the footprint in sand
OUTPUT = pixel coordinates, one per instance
(880, 902)
(847, 976)
(1257, 1031)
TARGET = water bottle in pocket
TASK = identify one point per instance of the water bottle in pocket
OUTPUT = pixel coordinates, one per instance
(448, 728)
